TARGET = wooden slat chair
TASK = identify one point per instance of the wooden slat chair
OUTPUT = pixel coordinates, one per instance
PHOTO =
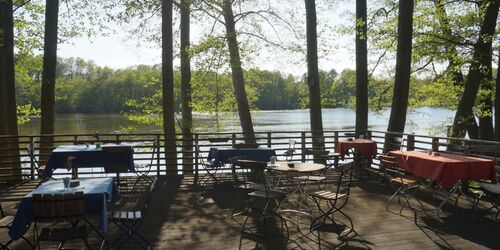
(486, 190)
(6, 223)
(404, 184)
(129, 220)
(335, 201)
(263, 201)
(62, 217)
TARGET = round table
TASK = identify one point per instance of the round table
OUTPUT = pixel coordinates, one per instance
(299, 167)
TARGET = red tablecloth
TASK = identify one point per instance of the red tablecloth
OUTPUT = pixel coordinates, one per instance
(446, 169)
(367, 148)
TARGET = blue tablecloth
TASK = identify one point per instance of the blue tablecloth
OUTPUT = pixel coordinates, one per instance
(96, 192)
(87, 157)
(222, 155)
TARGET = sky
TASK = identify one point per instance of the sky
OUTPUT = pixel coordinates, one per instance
(119, 50)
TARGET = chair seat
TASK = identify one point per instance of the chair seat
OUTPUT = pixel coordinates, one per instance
(6, 221)
(63, 233)
(327, 195)
(310, 178)
(271, 194)
(404, 180)
(251, 186)
(492, 188)
(125, 215)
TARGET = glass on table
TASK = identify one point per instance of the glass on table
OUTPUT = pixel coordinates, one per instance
(66, 182)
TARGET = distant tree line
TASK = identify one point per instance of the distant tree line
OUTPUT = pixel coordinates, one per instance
(84, 87)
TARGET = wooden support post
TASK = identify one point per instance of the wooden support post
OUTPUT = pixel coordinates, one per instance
(435, 144)
(269, 139)
(410, 145)
(158, 154)
(303, 146)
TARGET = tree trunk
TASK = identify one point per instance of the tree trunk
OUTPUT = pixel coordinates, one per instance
(454, 65)
(313, 79)
(168, 88)
(482, 49)
(237, 74)
(187, 117)
(361, 68)
(497, 102)
(399, 106)
(49, 77)
(8, 112)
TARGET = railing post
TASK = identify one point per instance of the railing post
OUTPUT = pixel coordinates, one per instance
(32, 163)
(369, 134)
(269, 139)
(410, 144)
(435, 144)
(158, 147)
(233, 139)
(75, 139)
(196, 143)
(303, 146)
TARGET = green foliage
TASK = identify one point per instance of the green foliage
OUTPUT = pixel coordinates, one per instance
(26, 112)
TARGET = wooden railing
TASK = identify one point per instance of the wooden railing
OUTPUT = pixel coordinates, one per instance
(188, 162)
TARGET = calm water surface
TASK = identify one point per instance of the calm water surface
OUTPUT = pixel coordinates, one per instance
(419, 121)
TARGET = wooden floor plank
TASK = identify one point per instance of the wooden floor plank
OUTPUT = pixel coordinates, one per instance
(182, 218)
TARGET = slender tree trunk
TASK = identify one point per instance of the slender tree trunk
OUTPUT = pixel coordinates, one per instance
(168, 88)
(454, 64)
(237, 74)
(399, 107)
(8, 112)
(187, 117)
(313, 79)
(482, 49)
(361, 68)
(497, 102)
(49, 77)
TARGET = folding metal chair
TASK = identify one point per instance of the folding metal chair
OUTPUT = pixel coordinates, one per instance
(52, 210)
(130, 220)
(210, 168)
(142, 170)
(6, 223)
(260, 200)
(403, 183)
(335, 201)
(39, 169)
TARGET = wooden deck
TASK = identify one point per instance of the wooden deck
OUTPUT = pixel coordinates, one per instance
(180, 218)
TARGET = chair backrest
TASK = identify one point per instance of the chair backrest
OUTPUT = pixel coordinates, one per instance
(245, 145)
(394, 142)
(253, 171)
(345, 178)
(218, 139)
(458, 149)
(388, 162)
(31, 153)
(117, 167)
(51, 208)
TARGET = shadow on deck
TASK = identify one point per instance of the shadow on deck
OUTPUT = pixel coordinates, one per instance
(182, 218)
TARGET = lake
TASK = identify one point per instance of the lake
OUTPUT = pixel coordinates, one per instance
(423, 121)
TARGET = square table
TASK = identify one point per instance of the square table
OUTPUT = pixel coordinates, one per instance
(96, 193)
(221, 156)
(367, 148)
(87, 157)
(446, 169)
